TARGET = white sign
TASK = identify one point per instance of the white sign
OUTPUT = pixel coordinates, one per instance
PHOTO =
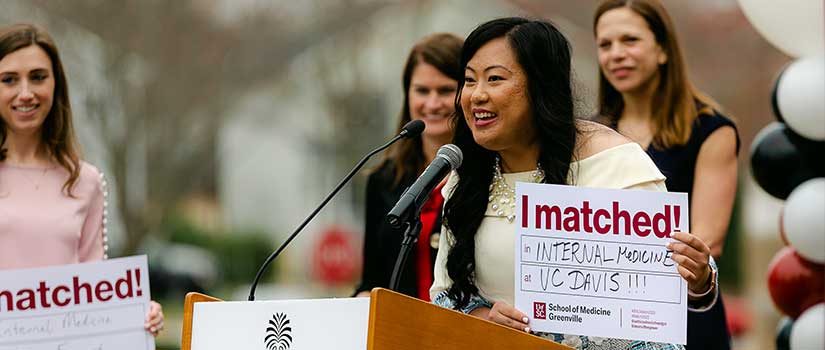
(594, 262)
(281, 325)
(92, 306)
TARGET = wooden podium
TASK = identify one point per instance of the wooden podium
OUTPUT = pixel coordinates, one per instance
(396, 322)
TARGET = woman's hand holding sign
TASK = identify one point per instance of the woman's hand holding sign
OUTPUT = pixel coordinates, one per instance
(503, 314)
(693, 256)
(154, 319)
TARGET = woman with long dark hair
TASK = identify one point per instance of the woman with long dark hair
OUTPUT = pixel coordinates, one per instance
(645, 94)
(515, 123)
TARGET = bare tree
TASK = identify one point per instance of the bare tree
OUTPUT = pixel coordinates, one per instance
(176, 71)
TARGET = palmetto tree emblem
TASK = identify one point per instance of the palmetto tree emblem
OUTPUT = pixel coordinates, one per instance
(279, 333)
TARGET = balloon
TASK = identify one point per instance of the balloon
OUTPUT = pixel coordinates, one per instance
(793, 26)
(811, 151)
(799, 93)
(782, 234)
(803, 221)
(807, 332)
(775, 100)
(795, 283)
(783, 333)
(781, 160)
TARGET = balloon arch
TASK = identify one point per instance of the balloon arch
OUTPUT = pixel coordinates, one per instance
(788, 161)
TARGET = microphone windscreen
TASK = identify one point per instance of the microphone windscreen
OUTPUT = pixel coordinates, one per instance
(413, 128)
(452, 154)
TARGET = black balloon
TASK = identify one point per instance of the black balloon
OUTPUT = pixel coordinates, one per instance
(812, 151)
(783, 333)
(774, 98)
(781, 160)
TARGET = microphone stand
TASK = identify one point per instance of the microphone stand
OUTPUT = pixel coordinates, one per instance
(412, 228)
(315, 212)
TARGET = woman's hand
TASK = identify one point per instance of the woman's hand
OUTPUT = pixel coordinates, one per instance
(692, 256)
(503, 314)
(154, 319)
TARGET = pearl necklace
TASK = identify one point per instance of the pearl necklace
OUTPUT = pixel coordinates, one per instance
(502, 198)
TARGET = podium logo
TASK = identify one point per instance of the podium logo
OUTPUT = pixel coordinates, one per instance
(279, 333)
(539, 311)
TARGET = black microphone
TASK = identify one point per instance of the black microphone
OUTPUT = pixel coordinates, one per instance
(410, 130)
(407, 211)
(448, 158)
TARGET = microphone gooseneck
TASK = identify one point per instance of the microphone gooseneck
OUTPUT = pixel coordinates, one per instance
(410, 130)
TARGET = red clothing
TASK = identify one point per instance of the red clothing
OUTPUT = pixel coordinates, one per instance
(429, 213)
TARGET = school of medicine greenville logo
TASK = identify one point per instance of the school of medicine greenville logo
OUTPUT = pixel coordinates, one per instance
(279, 333)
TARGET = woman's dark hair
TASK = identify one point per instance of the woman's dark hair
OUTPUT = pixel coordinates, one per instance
(58, 133)
(442, 51)
(544, 55)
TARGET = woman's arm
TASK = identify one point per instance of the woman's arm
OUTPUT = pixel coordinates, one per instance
(373, 271)
(714, 188)
(92, 245)
(441, 280)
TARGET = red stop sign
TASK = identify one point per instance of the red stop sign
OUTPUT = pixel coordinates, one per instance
(335, 259)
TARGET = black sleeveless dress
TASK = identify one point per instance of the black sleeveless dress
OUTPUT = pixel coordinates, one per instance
(706, 330)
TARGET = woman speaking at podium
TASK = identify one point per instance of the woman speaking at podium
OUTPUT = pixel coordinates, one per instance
(515, 122)
(52, 203)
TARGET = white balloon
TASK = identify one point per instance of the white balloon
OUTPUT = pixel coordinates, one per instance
(800, 95)
(803, 222)
(793, 26)
(807, 332)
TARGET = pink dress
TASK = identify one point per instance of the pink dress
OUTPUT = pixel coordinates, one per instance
(41, 226)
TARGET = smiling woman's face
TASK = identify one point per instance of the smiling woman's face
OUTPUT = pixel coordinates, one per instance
(629, 56)
(432, 99)
(495, 99)
(26, 89)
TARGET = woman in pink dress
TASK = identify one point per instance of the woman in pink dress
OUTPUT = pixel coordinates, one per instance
(52, 203)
